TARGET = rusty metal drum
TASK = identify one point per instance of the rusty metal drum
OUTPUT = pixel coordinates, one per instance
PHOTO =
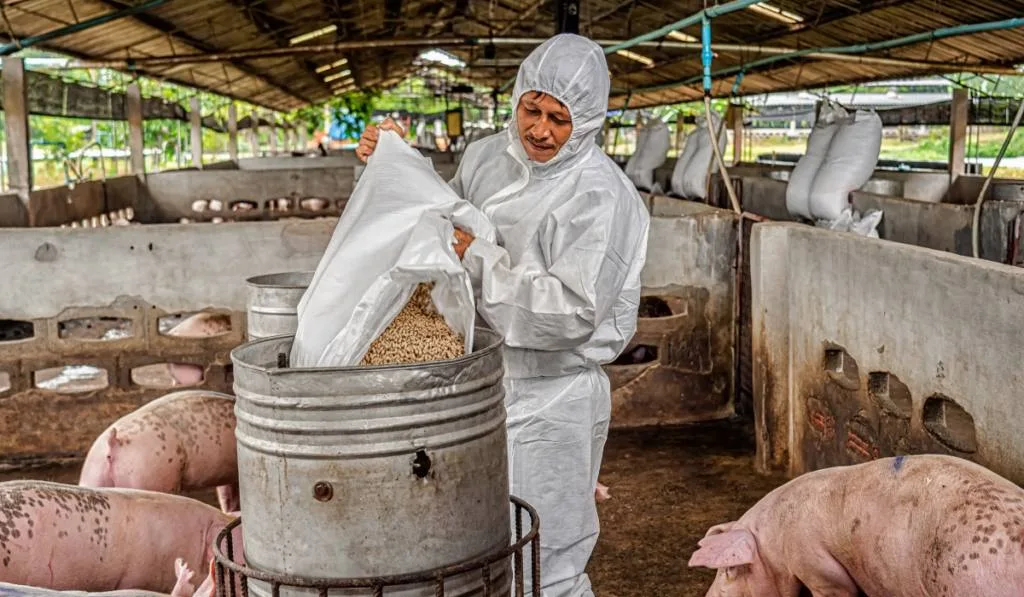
(272, 303)
(357, 472)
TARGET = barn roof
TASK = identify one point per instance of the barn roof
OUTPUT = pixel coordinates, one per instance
(254, 42)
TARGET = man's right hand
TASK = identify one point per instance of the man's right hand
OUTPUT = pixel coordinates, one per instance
(368, 142)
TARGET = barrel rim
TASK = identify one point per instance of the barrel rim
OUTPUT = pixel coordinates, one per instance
(264, 280)
(494, 346)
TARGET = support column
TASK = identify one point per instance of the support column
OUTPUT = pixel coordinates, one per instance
(196, 118)
(303, 138)
(567, 16)
(273, 134)
(254, 131)
(958, 115)
(136, 140)
(19, 154)
(232, 132)
(736, 124)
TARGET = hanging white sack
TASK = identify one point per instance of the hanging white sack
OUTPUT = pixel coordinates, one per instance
(691, 180)
(652, 145)
(851, 159)
(798, 190)
(395, 233)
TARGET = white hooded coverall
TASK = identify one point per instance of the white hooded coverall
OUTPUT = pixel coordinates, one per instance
(562, 285)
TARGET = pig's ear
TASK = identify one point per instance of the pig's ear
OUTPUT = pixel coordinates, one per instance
(725, 550)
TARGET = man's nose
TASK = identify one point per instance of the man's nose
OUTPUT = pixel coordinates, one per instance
(542, 129)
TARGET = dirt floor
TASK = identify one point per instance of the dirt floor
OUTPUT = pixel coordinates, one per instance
(668, 487)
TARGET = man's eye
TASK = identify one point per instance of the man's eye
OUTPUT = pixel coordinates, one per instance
(532, 111)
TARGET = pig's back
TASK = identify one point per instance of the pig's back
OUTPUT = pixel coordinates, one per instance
(934, 525)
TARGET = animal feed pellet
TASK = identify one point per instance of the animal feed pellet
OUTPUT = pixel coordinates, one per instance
(417, 335)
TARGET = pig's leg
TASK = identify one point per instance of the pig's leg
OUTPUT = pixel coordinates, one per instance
(826, 577)
(601, 493)
(227, 495)
(97, 471)
(183, 587)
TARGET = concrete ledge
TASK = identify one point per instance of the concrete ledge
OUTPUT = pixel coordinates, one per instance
(867, 348)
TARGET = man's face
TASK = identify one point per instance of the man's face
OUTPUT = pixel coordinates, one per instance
(544, 125)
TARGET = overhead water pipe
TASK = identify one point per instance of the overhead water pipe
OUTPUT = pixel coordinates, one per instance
(706, 56)
(851, 49)
(14, 46)
(976, 221)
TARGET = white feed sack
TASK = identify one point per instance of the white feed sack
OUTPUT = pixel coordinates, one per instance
(653, 141)
(842, 152)
(697, 160)
(850, 161)
(395, 235)
(798, 191)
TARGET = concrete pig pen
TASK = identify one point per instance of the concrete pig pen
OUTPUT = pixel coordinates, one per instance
(128, 278)
(866, 348)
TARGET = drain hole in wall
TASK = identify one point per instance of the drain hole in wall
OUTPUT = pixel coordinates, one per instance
(71, 379)
(168, 375)
(890, 394)
(642, 353)
(243, 205)
(314, 203)
(194, 324)
(13, 330)
(95, 328)
(842, 368)
(279, 204)
(653, 306)
(5, 381)
(950, 424)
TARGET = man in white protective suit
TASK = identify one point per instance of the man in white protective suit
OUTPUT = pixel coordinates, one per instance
(562, 285)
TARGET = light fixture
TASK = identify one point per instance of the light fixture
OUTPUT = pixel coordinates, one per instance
(343, 83)
(679, 36)
(308, 36)
(634, 56)
(776, 13)
(445, 58)
(337, 75)
(335, 64)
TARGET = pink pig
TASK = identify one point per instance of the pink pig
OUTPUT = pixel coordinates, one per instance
(183, 587)
(67, 537)
(909, 526)
(183, 441)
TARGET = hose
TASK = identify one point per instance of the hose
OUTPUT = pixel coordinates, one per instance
(976, 222)
(706, 56)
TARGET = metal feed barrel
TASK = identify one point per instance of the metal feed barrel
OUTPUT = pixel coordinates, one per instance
(361, 472)
(273, 300)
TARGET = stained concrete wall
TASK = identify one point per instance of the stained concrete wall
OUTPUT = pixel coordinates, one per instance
(136, 275)
(171, 194)
(866, 348)
(689, 272)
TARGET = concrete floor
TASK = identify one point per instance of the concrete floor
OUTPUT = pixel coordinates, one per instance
(668, 487)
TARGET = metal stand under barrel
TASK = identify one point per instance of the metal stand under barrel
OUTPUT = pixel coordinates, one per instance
(235, 574)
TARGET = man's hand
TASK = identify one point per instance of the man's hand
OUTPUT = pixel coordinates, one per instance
(368, 141)
(462, 241)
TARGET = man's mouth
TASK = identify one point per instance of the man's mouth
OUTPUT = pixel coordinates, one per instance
(539, 146)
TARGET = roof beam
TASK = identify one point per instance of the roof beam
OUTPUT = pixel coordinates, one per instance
(274, 27)
(165, 26)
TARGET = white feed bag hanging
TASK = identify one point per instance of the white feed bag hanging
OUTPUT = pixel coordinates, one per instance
(798, 190)
(851, 159)
(691, 180)
(395, 233)
(652, 145)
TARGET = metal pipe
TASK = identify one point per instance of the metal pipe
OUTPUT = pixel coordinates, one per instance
(698, 17)
(976, 220)
(16, 45)
(851, 49)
